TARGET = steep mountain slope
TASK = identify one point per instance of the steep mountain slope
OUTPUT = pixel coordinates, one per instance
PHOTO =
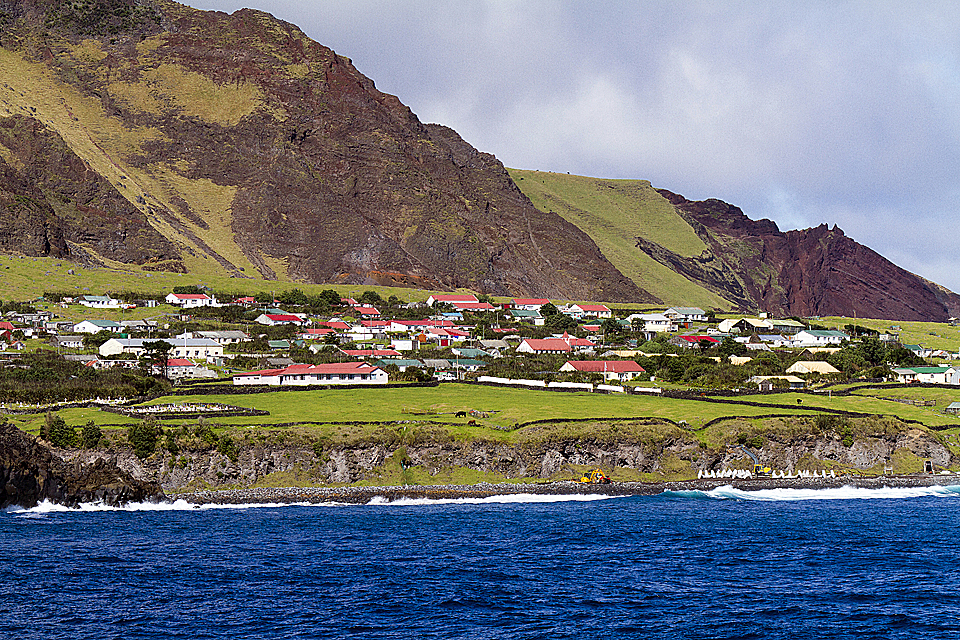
(710, 254)
(235, 144)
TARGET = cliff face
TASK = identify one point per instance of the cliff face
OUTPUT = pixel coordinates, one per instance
(253, 149)
(811, 272)
(30, 473)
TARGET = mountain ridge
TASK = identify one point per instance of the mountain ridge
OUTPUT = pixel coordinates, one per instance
(156, 135)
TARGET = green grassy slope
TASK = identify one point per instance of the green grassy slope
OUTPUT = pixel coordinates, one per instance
(613, 213)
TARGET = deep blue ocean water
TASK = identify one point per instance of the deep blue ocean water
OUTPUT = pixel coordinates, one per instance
(779, 564)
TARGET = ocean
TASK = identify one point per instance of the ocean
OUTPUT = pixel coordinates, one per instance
(844, 563)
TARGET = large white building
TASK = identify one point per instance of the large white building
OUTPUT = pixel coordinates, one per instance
(181, 347)
(302, 375)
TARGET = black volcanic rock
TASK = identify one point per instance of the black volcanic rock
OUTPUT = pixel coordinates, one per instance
(30, 473)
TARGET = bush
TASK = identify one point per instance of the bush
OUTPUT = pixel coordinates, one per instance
(58, 433)
(143, 437)
(226, 446)
(90, 435)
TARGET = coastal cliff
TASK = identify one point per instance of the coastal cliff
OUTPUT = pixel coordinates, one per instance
(662, 453)
(31, 473)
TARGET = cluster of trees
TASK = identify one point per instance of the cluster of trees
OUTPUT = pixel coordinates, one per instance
(43, 376)
(56, 431)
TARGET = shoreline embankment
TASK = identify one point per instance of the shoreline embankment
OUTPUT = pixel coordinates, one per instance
(363, 494)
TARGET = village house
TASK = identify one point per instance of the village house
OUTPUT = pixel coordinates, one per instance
(611, 370)
(401, 363)
(452, 299)
(315, 374)
(181, 368)
(68, 342)
(529, 304)
(768, 383)
(96, 326)
(531, 317)
(928, 375)
(273, 319)
(180, 348)
(191, 300)
(589, 311)
(224, 337)
(688, 342)
(821, 367)
(99, 302)
(685, 316)
(818, 338)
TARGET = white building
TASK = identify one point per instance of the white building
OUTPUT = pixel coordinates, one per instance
(99, 302)
(180, 347)
(191, 300)
(96, 326)
(315, 374)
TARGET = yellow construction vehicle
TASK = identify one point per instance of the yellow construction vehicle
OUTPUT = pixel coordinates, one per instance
(758, 469)
(594, 477)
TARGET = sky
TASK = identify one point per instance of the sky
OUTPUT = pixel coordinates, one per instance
(844, 113)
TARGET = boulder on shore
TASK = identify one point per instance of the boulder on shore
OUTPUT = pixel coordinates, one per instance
(31, 473)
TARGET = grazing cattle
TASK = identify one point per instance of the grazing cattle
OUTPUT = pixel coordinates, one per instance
(472, 423)
(461, 414)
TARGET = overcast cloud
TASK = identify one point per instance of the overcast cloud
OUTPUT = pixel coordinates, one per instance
(846, 113)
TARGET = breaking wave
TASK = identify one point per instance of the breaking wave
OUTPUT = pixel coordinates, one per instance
(728, 492)
(513, 498)
(46, 507)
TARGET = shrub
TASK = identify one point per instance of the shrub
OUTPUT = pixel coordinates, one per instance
(143, 437)
(58, 433)
(226, 446)
(90, 435)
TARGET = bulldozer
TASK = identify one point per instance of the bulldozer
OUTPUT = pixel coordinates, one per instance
(594, 477)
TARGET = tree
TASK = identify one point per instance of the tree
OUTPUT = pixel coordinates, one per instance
(57, 433)
(293, 297)
(611, 327)
(155, 354)
(90, 435)
(561, 322)
(371, 298)
(548, 310)
(143, 437)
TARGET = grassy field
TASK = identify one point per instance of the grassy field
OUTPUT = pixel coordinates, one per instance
(613, 213)
(506, 408)
(934, 335)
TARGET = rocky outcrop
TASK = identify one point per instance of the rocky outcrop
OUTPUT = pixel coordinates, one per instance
(51, 200)
(673, 456)
(30, 473)
(811, 272)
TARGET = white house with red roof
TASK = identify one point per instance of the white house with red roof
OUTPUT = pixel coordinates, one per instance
(272, 319)
(544, 345)
(611, 370)
(191, 300)
(529, 304)
(302, 375)
(366, 311)
(689, 342)
(451, 298)
(589, 311)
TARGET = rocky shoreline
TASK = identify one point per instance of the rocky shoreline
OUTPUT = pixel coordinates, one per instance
(364, 495)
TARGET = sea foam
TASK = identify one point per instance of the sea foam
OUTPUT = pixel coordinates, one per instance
(728, 492)
(512, 498)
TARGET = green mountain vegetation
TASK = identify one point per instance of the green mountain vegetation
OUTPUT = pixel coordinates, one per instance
(614, 213)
